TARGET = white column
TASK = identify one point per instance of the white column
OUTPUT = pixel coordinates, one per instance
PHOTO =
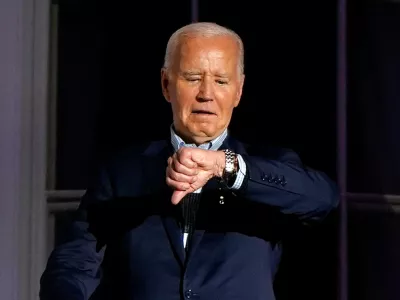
(23, 95)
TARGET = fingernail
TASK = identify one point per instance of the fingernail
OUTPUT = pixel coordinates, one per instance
(194, 178)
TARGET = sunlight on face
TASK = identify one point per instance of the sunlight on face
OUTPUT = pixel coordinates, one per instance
(203, 86)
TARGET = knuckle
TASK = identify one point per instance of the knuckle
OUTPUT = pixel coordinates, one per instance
(200, 158)
(178, 167)
(174, 176)
(184, 151)
(169, 172)
(175, 162)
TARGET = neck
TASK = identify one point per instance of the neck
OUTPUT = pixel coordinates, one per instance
(197, 140)
(194, 139)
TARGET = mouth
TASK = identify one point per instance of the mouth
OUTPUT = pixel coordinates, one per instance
(202, 112)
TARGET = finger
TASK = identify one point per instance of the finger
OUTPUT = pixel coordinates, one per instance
(171, 173)
(176, 185)
(177, 196)
(198, 158)
(184, 169)
(181, 168)
(184, 156)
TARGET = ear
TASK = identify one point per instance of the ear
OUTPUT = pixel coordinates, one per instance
(165, 84)
(240, 90)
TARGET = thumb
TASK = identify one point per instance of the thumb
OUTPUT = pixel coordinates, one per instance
(198, 159)
(177, 196)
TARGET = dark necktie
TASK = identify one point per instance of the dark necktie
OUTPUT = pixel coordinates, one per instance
(189, 207)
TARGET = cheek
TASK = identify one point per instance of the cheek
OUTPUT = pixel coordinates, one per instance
(227, 103)
(185, 98)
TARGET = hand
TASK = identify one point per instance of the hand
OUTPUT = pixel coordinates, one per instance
(190, 169)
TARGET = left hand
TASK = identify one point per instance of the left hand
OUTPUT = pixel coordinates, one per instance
(190, 169)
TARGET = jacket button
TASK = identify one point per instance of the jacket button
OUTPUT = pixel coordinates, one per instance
(188, 294)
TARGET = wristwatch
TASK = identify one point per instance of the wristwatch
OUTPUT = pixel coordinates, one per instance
(230, 170)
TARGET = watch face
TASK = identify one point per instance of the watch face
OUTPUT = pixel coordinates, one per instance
(229, 168)
(230, 165)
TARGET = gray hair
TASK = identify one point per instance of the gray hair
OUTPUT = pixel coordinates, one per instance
(202, 29)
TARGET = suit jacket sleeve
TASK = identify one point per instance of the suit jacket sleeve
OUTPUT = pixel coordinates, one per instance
(73, 270)
(278, 178)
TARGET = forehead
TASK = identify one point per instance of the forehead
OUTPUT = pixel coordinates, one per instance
(211, 52)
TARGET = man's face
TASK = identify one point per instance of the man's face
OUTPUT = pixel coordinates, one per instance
(203, 85)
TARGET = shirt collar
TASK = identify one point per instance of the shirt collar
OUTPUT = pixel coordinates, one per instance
(177, 142)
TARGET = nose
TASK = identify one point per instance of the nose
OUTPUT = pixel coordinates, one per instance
(206, 92)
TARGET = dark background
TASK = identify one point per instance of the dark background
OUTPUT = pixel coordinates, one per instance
(374, 149)
(374, 97)
(109, 96)
(110, 58)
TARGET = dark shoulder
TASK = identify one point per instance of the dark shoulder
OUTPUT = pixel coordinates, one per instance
(273, 152)
(269, 151)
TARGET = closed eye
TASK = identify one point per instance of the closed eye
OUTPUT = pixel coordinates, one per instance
(221, 81)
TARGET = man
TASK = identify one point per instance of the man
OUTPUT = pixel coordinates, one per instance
(199, 216)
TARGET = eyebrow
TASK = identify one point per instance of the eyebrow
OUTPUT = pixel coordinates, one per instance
(190, 73)
(197, 73)
(223, 75)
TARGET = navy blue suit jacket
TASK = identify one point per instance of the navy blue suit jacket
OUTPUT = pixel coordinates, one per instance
(126, 242)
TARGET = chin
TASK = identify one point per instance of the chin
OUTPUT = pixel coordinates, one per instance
(204, 136)
(204, 130)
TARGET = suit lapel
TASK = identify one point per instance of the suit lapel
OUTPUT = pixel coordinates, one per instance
(175, 237)
(234, 145)
(213, 185)
(171, 214)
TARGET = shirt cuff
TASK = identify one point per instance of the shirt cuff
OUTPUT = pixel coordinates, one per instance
(240, 174)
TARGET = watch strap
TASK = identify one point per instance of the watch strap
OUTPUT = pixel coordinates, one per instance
(230, 169)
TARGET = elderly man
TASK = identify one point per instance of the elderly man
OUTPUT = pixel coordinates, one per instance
(199, 215)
